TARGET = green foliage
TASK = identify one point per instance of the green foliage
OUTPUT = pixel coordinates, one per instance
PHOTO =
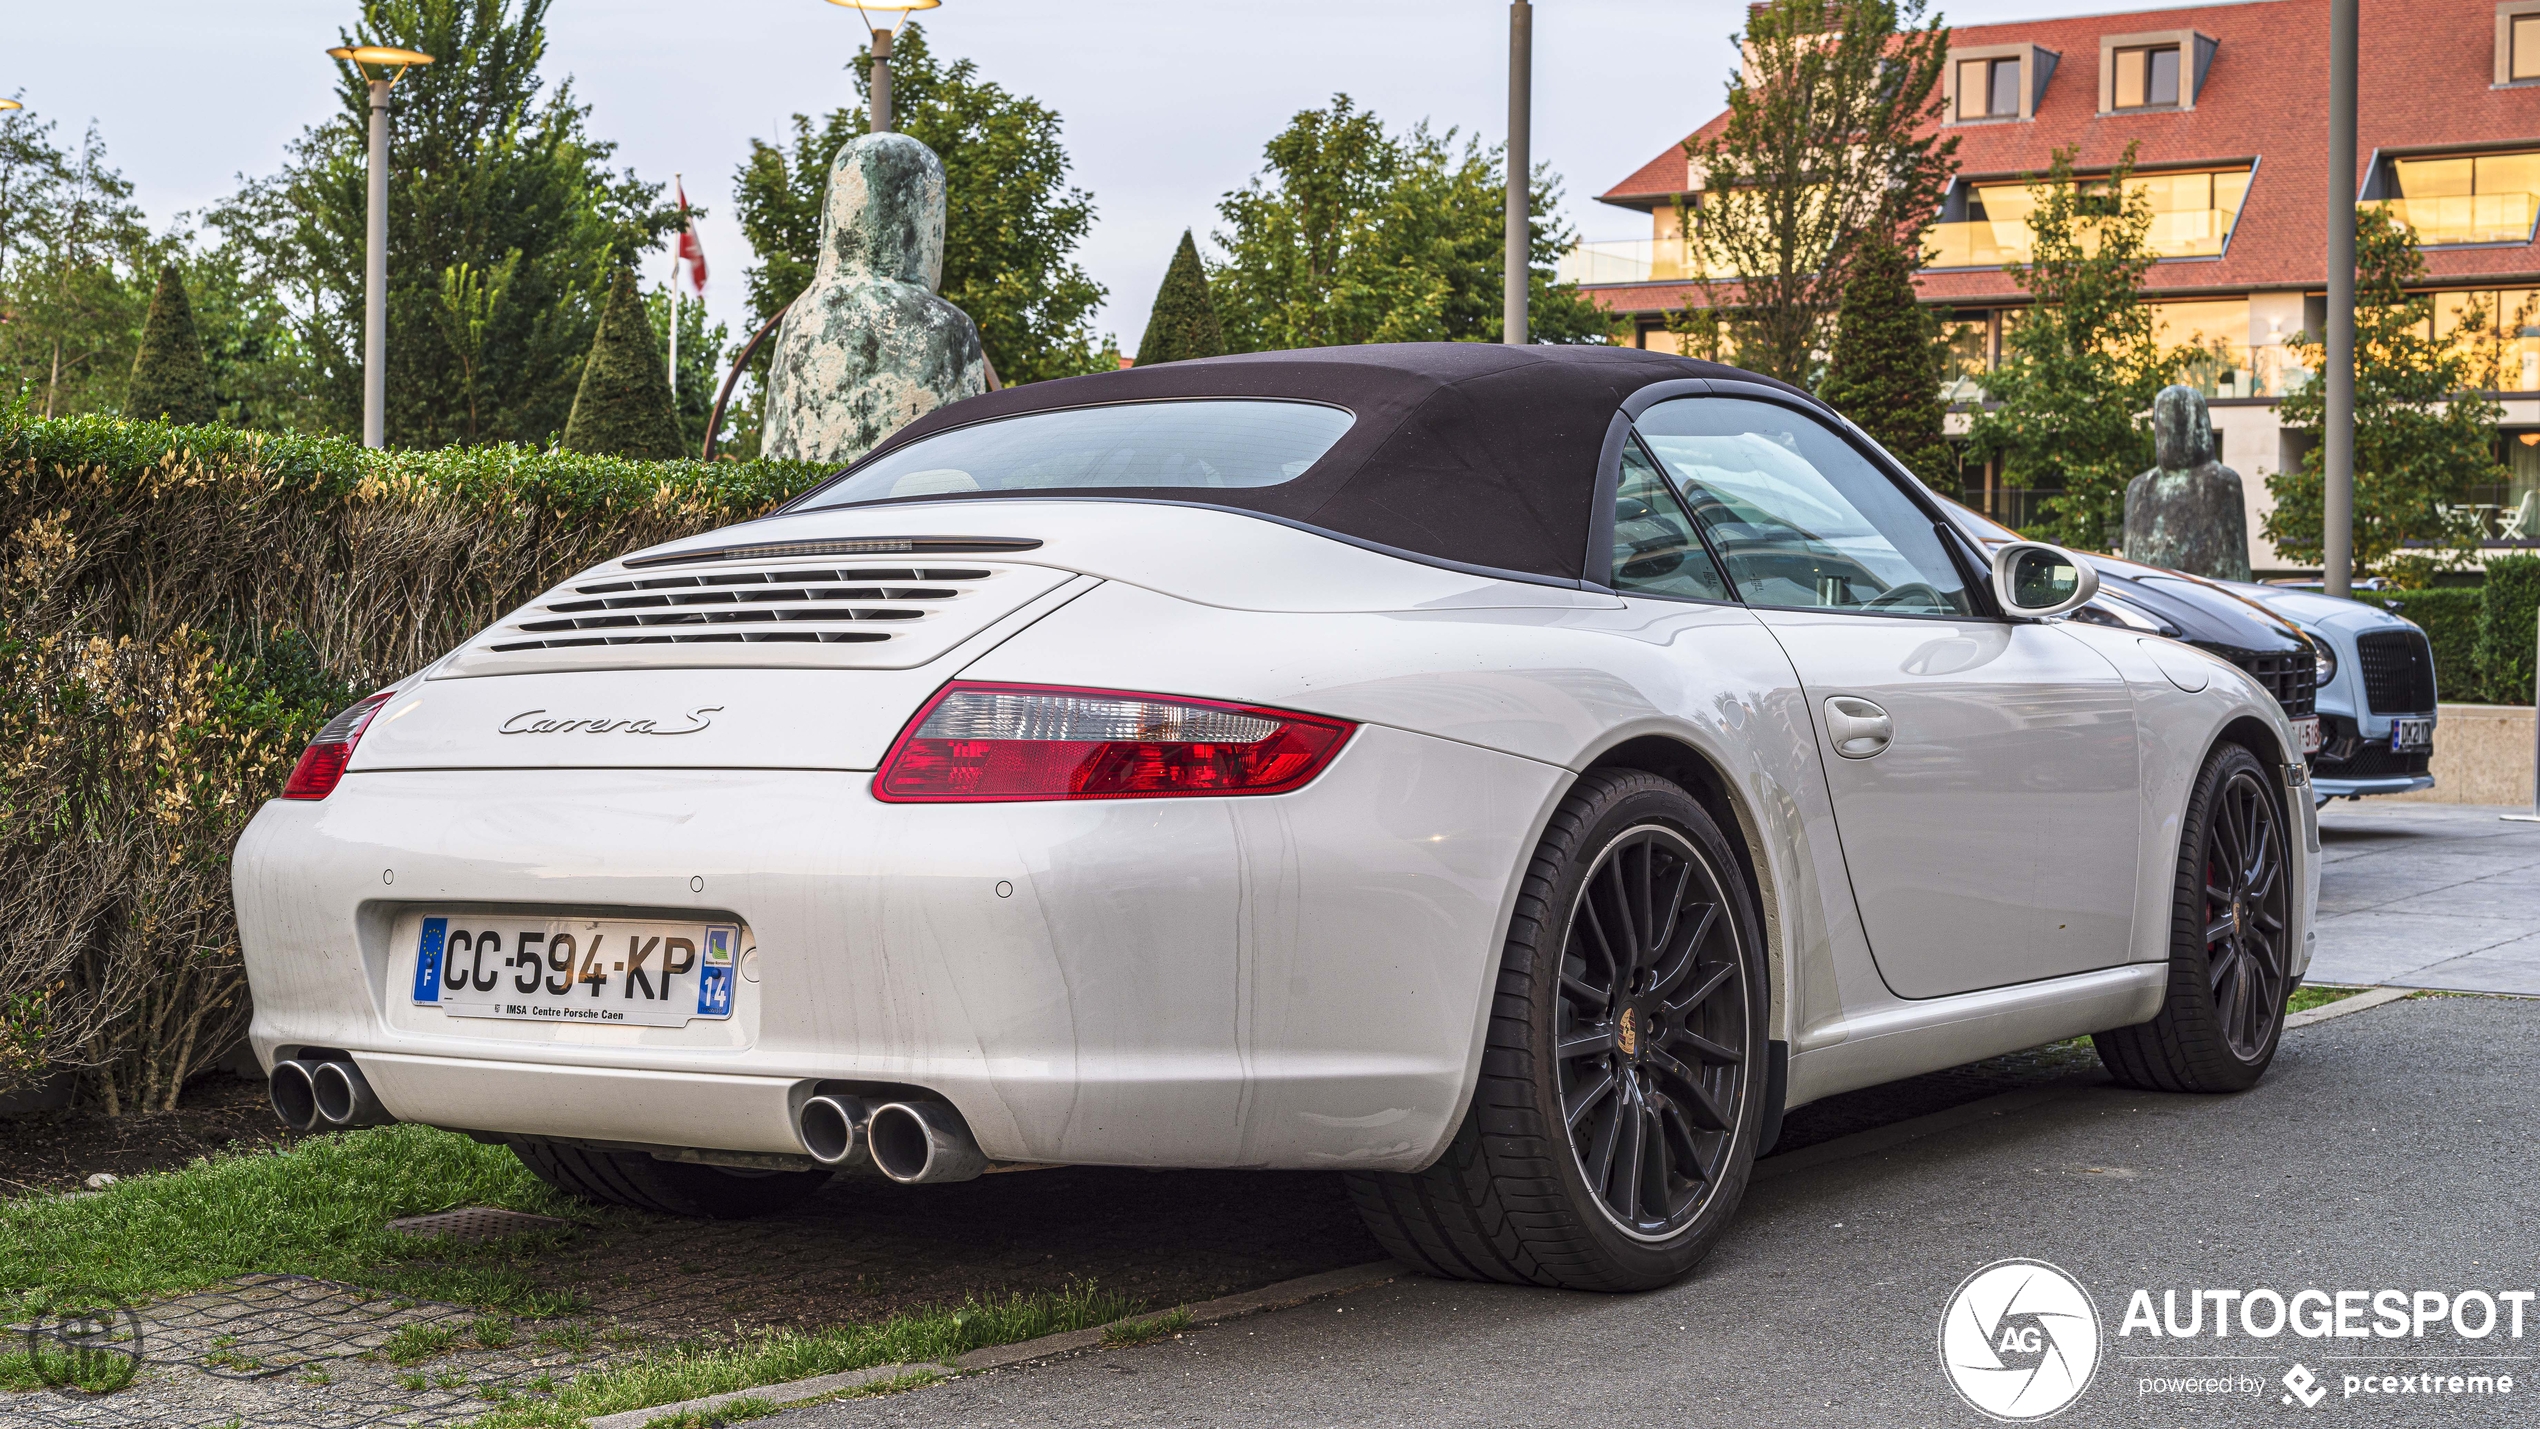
(1012, 222)
(320, 1208)
(2081, 361)
(2451, 617)
(1831, 147)
(693, 1371)
(489, 161)
(1183, 322)
(179, 608)
(169, 380)
(2423, 435)
(701, 362)
(1886, 367)
(2508, 638)
(76, 266)
(624, 407)
(1353, 234)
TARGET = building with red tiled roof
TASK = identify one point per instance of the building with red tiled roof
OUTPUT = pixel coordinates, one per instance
(2227, 106)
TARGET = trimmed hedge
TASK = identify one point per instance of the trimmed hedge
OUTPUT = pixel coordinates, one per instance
(179, 608)
(2451, 617)
(2507, 645)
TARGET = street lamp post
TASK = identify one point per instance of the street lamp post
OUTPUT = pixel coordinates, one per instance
(375, 280)
(1521, 85)
(2337, 435)
(881, 112)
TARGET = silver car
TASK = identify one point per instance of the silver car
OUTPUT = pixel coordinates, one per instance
(2376, 697)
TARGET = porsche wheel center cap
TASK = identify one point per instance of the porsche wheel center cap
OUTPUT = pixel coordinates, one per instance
(1627, 1033)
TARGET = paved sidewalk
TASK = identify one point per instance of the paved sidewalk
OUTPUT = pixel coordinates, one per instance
(2389, 1148)
(2428, 895)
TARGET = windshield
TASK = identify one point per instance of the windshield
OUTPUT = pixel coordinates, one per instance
(1196, 445)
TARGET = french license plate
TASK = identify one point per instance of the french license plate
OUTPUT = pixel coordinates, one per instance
(2410, 735)
(2309, 731)
(602, 970)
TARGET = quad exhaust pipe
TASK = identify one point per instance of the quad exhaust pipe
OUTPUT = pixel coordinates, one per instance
(916, 1143)
(324, 1094)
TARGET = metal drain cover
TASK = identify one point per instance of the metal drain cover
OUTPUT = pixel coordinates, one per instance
(476, 1223)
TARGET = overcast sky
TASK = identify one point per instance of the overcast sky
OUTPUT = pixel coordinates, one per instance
(1166, 105)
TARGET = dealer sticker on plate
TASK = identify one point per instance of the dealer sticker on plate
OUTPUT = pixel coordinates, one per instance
(603, 970)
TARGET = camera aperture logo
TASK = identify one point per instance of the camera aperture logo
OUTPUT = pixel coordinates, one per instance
(83, 1341)
(2020, 1340)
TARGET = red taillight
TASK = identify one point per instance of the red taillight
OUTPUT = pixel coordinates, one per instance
(976, 743)
(321, 765)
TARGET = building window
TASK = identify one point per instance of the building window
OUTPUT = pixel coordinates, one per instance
(2484, 198)
(1984, 225)
(2526, 48)
(2147, 78)
(1989, 89)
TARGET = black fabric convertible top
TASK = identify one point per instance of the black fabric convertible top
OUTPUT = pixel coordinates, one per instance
(1474, 453)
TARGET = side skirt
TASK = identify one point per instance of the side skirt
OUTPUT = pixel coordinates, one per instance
(1908, 1038)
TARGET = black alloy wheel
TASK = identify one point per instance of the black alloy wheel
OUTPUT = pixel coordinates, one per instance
(2245, 885)
(1650, 1030)
(1621, 1097)
(2231, 939)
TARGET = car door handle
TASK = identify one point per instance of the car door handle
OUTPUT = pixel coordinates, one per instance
(1856, 728)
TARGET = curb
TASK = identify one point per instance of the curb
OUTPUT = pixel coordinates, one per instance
(2360, 1001)
(1206, 1312)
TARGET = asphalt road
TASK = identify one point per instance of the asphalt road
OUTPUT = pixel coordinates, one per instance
(2391, 1149)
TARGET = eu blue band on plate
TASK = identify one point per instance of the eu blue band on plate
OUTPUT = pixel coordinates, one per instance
(436, 932)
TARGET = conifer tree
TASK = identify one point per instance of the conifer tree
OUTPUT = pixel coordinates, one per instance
(1884, 372)
(1183, 322)
(624, 406)
(169, 380)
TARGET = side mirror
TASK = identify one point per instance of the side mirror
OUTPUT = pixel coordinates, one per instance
(2034, 579)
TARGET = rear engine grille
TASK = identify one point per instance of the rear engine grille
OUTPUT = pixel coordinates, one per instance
(805, 613)
(2398, 668)
(2290, 676)
(841, 606)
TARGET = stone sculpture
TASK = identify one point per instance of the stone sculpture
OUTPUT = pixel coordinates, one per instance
(2187, 513)
(869, 347)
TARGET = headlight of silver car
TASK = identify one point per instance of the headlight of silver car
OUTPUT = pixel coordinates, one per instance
(2325, 660)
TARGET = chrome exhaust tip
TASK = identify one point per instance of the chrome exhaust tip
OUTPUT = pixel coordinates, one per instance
(832, 1128)
(293, 1095)
(344, 1099)
(923, 1143)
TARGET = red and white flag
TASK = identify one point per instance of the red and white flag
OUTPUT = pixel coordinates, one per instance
(691, 253)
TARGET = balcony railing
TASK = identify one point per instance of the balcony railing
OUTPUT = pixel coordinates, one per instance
(2467, 218)
(1626, 260)
(1990, 243)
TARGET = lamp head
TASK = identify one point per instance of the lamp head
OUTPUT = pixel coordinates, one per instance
(896, 11)
(8, 104)
(387, 57)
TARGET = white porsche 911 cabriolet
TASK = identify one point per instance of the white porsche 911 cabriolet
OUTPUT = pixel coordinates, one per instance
(1509, 776)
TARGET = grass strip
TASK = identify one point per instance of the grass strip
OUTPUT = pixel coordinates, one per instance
(318, 1208)
(2316, 994)
(1147, 1331)
(695, 1370)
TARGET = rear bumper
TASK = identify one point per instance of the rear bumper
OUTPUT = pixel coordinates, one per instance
(1289, 981)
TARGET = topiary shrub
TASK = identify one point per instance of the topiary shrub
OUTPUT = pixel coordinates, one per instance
(169, 381)
(1183, 322)
(2506, 640)
(624, 407)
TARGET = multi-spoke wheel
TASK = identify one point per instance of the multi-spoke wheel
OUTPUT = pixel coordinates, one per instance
(1650, 1030)
(1620, 1101)
(2230, 950)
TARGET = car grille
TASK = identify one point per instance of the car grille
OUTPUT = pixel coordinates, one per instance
(2398, 670)
(805, 613)
(2375, 761)
(2288, 675)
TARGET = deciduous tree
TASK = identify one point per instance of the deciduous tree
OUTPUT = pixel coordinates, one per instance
(1831, 143)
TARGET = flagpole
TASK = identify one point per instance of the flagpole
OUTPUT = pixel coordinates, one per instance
(674, 287)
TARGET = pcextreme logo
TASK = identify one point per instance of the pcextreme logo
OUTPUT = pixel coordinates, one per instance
(2020, 1340)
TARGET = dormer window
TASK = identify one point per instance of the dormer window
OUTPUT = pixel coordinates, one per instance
(2147, 78)
(1991, 83)
(2517, 42)
(2159, 69)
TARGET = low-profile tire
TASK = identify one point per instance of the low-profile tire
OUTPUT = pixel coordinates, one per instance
(2230, 940)
(1615, 1123)
(673, 1188)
